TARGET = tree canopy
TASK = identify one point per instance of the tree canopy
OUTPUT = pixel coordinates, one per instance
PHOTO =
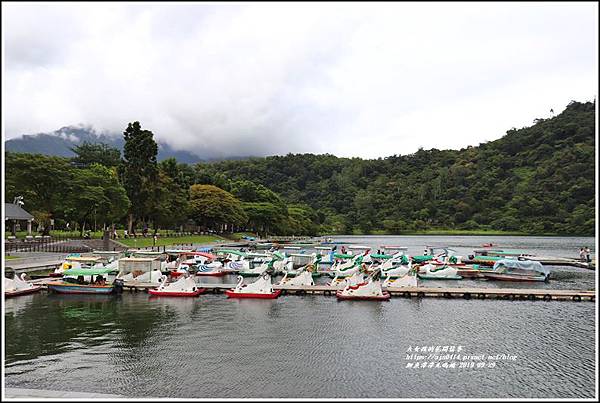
(99, 153)
(213, 207)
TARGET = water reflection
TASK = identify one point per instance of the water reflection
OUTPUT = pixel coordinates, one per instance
(299, 346)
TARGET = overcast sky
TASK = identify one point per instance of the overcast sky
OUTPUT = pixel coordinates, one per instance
(365, 80)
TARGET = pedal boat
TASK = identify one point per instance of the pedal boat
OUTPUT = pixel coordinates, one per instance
(433, 272)
(369, 290)
(301, 279)
(19, 286)
(208, 265)
(261, 288)
(183, 287)
(408, 280)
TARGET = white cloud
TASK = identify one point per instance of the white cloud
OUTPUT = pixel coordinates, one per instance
(349, 79)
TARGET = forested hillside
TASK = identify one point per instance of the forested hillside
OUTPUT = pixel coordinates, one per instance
(538, 179)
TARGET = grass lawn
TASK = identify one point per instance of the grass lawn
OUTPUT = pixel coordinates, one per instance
(10, 257)
(149, 241)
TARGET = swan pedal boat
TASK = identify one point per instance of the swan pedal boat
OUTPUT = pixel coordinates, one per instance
(184, 287)
(301, 279)
(431, 272)
(214, 269)
(261, 288)
(370, 290)
(19, 286)
(408, 280)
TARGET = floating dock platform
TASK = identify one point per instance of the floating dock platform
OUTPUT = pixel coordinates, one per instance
(530, 294)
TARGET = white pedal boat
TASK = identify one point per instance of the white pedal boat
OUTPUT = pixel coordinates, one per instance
(261, 288)
(183, 287)
(19, 286)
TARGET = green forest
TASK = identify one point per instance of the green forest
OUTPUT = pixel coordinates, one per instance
(534, 180)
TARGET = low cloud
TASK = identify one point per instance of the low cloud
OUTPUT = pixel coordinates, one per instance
(260, 79)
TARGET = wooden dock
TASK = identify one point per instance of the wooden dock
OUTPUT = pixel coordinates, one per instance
(466, 293)
(530, 294)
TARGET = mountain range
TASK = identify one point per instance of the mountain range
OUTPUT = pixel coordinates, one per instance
(60, 142)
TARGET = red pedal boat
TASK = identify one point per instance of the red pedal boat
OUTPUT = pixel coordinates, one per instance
(261, 288)
(232, 294)
(177, 293)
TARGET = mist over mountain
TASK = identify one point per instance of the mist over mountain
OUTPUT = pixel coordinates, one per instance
(59, 143)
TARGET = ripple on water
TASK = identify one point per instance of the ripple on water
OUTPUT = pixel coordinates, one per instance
(310, 346)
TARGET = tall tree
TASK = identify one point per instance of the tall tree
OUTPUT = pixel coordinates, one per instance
(139, 171)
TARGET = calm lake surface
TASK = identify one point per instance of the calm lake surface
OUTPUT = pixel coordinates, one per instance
(312, 346)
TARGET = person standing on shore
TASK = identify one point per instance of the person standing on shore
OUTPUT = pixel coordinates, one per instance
(582, 254)
(587, 254)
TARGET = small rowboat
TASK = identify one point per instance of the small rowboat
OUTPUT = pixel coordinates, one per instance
(68, 284)
(71, 288)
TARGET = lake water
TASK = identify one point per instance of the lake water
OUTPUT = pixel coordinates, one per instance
(312, 346)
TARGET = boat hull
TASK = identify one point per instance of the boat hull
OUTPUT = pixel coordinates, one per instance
(9, 294)
(232, 294)
(55, 274)
(386, 295)
(80, 289)
(177, 294)
(426, 277)
(211, 273)
(247, 274)
(511, 277)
